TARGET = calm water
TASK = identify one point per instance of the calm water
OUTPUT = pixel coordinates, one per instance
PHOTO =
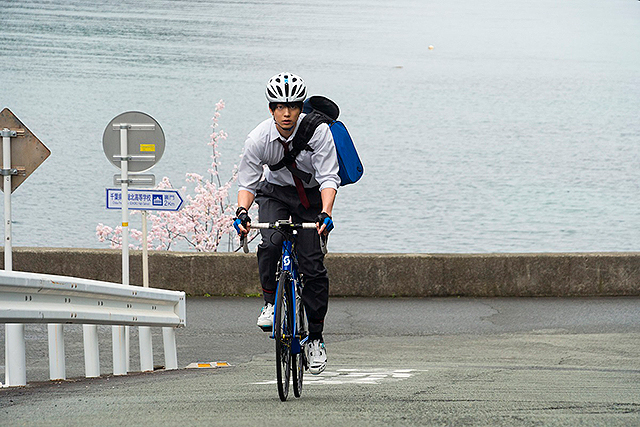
(518, 132)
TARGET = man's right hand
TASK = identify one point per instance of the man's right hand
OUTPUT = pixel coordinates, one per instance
(242, 223)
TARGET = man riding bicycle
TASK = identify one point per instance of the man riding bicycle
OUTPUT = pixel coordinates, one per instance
(281, 195)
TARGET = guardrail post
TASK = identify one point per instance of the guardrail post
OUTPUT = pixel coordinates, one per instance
(170, 351)
(127, 347)
(15, 355)
(91, 351)
(57, 366)
(146, 348)
(119, 350)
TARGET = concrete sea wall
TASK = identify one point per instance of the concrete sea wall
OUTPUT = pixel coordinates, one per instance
(377, 275)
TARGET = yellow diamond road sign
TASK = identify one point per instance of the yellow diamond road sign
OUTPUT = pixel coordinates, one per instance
(27, 152)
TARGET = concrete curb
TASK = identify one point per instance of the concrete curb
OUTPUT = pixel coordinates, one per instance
(368, 275)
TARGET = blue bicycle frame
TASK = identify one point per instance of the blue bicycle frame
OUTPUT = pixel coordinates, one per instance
(290, 266)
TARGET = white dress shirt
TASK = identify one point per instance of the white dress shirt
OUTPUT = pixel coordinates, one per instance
(263, 148)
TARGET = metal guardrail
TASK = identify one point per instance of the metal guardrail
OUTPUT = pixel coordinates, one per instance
(42, 298)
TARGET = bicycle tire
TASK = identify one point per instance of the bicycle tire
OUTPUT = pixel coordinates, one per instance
(282, 331)
(298, 360)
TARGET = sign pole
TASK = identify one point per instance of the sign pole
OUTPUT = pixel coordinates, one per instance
(145, 251)
(6, 166)
(124, 176)
(15, 360)
(118, 333)
(27, 150)
(144, 332)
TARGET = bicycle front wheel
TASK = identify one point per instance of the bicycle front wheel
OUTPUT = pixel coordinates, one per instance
(283, 332)
(298, 361)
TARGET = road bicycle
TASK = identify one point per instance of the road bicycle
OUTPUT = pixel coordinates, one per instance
(290, 327)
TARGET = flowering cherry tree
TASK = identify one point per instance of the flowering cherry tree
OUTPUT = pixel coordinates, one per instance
(207, 215)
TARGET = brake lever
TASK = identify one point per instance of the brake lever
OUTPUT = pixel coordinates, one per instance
(323, 243)
(244, 243)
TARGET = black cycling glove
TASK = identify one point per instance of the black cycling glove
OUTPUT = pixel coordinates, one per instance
(324, 218)
(242, 217)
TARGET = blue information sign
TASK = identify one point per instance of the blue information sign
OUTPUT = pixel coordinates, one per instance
(146, 200)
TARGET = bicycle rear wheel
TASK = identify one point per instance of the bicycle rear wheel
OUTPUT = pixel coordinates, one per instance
(283, 332)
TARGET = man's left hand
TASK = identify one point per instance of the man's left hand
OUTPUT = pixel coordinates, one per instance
(324, 223)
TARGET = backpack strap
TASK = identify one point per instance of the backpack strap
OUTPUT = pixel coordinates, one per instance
(306, 129)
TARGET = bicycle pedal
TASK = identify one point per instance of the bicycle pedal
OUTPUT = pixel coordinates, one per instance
(265, 328)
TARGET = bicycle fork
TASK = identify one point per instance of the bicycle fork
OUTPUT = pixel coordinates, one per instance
(297, 340)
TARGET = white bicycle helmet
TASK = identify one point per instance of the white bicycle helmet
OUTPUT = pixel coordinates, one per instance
(286, 87)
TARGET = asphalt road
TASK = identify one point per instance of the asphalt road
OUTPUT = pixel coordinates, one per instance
(446, 361)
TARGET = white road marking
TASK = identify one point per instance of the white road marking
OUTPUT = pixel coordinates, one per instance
(353, 376)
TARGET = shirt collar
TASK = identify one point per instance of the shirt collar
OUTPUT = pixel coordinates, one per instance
(274, 135)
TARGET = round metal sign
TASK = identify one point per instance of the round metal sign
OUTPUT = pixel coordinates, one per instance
(145, 140)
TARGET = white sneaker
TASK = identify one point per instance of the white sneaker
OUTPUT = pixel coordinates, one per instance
(265, 320)
(317, 356)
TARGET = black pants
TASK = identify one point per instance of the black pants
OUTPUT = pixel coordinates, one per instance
(276, 202)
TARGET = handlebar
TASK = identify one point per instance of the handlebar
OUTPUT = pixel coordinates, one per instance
(284, 225)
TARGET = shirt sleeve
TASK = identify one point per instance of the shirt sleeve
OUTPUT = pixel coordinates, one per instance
(324, 158)
(250, 168)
